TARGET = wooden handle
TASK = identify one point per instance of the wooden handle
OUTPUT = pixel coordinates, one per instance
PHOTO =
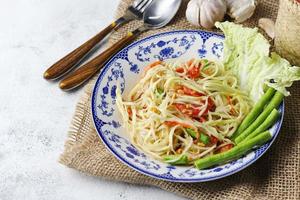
(66, 63)
(82, 74)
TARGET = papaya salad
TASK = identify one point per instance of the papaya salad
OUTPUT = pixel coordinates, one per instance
(188, 109)
(204, 113)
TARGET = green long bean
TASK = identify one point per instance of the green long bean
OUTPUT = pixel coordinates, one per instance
(256, 110)
(274, 103)
(270, 121)
(233, 153)
(176, 159)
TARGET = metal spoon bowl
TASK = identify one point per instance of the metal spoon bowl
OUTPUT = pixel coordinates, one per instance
(158, 14)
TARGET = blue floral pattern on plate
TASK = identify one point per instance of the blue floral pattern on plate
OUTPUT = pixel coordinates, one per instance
(172, 48)
(124, 69)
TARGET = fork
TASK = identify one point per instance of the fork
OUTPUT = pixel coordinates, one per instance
(67, 63)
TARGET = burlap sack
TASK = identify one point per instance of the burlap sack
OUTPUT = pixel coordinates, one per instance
(287, 40)
(275, 176)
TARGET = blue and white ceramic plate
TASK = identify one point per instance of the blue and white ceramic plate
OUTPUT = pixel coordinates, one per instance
(124, 70)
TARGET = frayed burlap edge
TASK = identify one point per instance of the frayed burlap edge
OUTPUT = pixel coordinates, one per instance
(75, 142)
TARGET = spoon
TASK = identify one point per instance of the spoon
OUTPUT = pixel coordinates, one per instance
(158, 14)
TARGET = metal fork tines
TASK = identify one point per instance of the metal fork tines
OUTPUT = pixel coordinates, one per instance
(138, 8)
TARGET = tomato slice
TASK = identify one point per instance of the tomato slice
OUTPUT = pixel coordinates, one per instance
(181, 107)
(193, 72)
(184, 108)
(213, 140)
(191, 92)
(187, 109)
(129, 111)
(202, 119)
(195, 112)
(179, 70)
(225, 148)
(211, 104)
(174, 123)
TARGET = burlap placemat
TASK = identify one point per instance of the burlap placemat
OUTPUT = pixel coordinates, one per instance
(275, 176)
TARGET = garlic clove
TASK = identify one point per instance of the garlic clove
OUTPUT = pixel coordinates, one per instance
(241, 10)
(268, 26)
(205, 12)
(244, 13)
(211, 12)
(219, 10)
(206, 19)
(192, 12)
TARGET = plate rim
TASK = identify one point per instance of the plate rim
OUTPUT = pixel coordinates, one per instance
(147, 173)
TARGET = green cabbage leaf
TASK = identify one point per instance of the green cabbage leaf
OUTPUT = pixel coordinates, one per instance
(247, 55)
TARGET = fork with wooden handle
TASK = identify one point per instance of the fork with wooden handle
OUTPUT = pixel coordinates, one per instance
(158, 14)
(86, 71)
(65, 64)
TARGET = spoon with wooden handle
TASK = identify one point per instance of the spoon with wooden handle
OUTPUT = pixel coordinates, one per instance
(158, 14)
(65, 64)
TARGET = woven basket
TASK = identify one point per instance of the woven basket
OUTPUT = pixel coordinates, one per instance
(287, 31)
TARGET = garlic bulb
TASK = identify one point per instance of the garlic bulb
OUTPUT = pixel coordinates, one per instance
(240, 10)
(205, 12)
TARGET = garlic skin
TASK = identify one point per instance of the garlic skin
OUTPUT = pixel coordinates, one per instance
(205, 12)
(241, 10)
(268, 25)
